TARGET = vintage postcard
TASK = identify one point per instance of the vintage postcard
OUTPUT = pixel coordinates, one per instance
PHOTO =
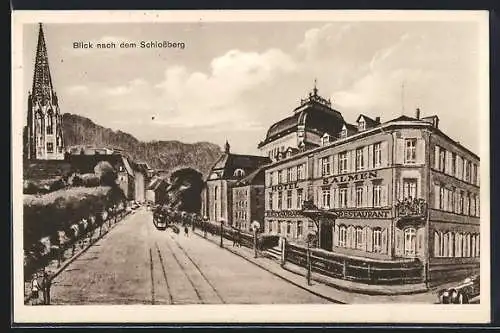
(251, 166)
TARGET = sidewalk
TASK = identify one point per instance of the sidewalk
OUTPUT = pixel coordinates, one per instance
(335, 290)
(54, 269)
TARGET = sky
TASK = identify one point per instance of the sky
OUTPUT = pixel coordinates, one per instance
(233, 80)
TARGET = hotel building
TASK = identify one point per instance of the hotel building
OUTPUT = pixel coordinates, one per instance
(400, 190)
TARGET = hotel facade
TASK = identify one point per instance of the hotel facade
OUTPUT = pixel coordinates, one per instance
(400, 190)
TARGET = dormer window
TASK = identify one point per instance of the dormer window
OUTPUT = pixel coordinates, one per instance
(325, 139)
(343, 132)
(289, 153)
(239, 173)
(361, 124)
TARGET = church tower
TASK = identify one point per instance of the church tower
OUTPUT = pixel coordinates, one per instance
(45, 136)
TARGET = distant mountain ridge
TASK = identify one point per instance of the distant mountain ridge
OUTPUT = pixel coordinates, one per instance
(164, 155)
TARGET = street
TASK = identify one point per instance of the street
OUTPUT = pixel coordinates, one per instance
(137, 264)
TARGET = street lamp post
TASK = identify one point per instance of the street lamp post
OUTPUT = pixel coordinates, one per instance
(221, 232)
(255, 227)
(310, 237)
(205, 220)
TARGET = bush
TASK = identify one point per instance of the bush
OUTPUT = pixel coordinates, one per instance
(106, 173)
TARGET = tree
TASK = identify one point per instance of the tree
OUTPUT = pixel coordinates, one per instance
(106, 173)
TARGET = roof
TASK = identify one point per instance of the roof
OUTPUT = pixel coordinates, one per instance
(314, 113)
(229, 162)
(127, 166)
(369, 121)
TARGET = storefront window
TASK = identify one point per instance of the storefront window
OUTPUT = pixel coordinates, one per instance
(299, 229)
(410, 246)
(377, 240)
(360, 239)
(342, 236)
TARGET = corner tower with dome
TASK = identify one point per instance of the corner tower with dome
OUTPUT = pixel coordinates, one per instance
(304, 129)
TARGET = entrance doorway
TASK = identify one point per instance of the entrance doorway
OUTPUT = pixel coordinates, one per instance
(326, 236)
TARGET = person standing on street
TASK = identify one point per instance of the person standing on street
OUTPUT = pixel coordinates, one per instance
(35, 288)
(46, 282)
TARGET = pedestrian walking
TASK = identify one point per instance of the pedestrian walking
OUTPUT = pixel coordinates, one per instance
(186, 230)
(46, 284)
(35, 289)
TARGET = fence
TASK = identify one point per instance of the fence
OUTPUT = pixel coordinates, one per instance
(358, 270)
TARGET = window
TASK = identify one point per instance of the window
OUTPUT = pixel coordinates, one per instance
(280, 177)
(360, 239)
(300, 171)
(458, 245)
(466, 170)
(299, 198)
(50, 123)
(270, 226)
(270, 201)
(50, 147)
(441, 197)
(359, 196)
(325, 139)
(280, 226)
(454, 164)
(461, 204)
(474, 174)
(290, 175)
(343, 132)
(289, 228)
(442, 159)
(239, 173)
(270, 178)
(342, 197)
(410, 150)
(343, 162)
(377, 240)
(280, 200)
(300, 229)
(410, 235)
(377, 195)
(360, 165)
(409, 188)
(377, 155)
(325, 166)
(342, 236)
(289, 199)
(361, 125)
(326, 197)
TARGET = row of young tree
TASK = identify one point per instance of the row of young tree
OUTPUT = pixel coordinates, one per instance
(57, 220)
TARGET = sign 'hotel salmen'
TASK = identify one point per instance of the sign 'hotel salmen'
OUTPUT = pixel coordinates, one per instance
(350, 178)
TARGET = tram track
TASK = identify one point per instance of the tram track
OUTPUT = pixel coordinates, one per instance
(183, 269)
(201, 272)
(162, 264)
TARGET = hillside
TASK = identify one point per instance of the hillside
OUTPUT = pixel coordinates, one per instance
(165, 155)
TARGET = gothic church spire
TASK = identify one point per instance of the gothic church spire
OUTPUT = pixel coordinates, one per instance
(42, 90)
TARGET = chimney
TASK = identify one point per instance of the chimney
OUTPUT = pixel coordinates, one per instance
(417, 113)
(377, 119)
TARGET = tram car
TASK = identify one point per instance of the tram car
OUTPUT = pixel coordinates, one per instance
(159, 218)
